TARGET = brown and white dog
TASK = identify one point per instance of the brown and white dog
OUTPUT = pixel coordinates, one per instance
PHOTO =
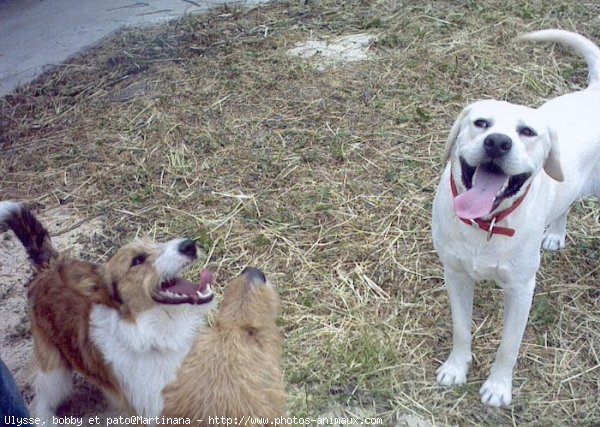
(125, 325)
(233, 372)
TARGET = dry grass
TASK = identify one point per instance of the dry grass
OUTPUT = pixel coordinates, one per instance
(325, 180)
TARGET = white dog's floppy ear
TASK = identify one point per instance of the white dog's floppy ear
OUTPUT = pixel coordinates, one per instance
(552, 162)
(454, 133)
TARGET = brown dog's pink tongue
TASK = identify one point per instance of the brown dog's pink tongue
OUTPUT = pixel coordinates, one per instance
(479, 199)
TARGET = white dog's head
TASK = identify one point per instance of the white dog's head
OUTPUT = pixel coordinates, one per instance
(496, 148)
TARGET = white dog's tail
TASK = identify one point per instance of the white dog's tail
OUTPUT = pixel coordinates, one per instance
(585, 47)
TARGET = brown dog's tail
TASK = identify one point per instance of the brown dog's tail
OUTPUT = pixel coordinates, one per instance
(30, 231)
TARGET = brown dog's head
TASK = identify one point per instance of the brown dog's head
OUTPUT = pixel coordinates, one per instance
(250, 305)
(234, 368)
(145, 274)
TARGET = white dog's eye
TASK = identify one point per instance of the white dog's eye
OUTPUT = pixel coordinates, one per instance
(482, 123)
(528, 132)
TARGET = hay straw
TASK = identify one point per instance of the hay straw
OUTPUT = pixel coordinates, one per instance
(324, 179)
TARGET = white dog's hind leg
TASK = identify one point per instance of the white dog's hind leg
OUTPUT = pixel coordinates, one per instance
(460, 291)
(497, 389)
(555, 235)
(51, 389)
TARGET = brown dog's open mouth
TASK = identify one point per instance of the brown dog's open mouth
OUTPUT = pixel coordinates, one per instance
(487, 186)
(181, 291)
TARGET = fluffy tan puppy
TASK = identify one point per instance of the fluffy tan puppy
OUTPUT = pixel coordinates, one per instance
(233, 372)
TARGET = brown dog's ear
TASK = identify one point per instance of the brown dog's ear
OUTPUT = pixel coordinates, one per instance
(113, 296)
(454, 131)
(552, 163)
(91, 280)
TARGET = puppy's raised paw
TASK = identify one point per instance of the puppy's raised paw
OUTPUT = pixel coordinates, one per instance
(497, 393)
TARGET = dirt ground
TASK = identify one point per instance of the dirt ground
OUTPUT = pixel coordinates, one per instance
(234, 128)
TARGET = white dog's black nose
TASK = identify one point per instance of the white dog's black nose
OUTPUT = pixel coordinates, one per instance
(188, 247)
(497, 145)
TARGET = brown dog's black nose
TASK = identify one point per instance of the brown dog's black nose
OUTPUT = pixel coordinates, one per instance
(188, 247)
(254, 274)
(497, 145)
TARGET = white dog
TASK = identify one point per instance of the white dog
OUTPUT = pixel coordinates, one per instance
(513, 172)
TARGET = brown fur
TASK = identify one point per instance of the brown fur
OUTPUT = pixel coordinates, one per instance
(65, 294)
(60, 301)
(134, 285)
(233, 370)
(61, 296)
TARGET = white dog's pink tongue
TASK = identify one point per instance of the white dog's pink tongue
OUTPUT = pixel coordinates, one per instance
(479, 199)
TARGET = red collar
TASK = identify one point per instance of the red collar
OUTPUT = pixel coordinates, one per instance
(490, 226)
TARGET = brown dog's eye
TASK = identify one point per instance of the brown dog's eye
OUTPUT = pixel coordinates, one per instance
(481, 123)
(250, 330)
(528, 132)
(139, 259)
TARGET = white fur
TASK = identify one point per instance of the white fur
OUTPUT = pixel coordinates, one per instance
(584, 46)
(170, 262)
(51, 388)
(146, 354)
(7, 208)
(567, 147)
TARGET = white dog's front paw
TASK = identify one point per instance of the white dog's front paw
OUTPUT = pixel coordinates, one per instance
(452, 372)
(496, 393)
(553, 241)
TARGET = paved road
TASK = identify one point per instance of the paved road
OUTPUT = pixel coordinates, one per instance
(37, 34)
